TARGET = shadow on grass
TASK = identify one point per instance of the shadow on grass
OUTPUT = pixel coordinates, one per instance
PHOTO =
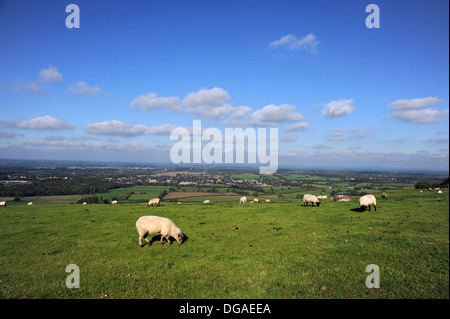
(157, 238)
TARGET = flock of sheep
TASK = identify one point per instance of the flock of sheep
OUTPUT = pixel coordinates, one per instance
(155, 225)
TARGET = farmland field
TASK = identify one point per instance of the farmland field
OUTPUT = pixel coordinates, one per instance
(266, 250)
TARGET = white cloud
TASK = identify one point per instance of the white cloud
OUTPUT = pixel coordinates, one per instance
(417, 110)
(208, 103)
(84, 89)
(50, 75)
(291, 42)
(273, 115)
(415, 103)
(338, 108)
(289, 138)
(240, 112)
(212, 98)
(151, 101)
(119, 128)
(32, 87)
(336, 135)
(115, 128)
(47, 122)
(164, 129)
(301, 126)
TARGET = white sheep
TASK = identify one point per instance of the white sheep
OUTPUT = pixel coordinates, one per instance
(368, 200)
(84, 203)
(255, 200)
(384, 195)
(30, 204)
(153, 201)
(320, 197)
(153, 225)
(267, 200)
(3, 204)
(114, 202)
(308, 198)
(206, 201)
(243, 200)
(439, 192)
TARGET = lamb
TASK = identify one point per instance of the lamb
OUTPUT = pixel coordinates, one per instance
(322, 197)
(153, 201)
(153, 225)
(30, 204)
(308, 198)
(368, 200)
(84, 203)
(384, 195)
(255, 200)
(439, 192)
(3, 204)
(267, 200)
(243, 200)
(114, 202)
(206, 201)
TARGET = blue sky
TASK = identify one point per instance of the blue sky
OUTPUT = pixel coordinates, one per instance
(340, 94)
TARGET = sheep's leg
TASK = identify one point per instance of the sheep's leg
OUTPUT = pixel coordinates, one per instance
(168, 240)
(375, 207)
(162, 237)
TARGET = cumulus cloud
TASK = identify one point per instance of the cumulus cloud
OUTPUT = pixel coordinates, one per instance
(338, 108)
(115, 128)
(274, 115)
(50, 75)
(84, 89)
(289, 138)
(119, 128)
(291, 42)
(336, 135)
(208, 103)
(417, 110)
(32, 87)
(46, 122)
(301, 126)
(415, 103)
(151, 101)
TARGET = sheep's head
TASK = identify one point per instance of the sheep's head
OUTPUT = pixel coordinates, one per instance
(318, 203)
(363, 208)
(180, 238)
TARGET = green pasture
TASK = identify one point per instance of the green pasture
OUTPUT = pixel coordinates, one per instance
(266, 250)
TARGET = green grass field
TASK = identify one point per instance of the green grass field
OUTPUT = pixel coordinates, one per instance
(275, 250)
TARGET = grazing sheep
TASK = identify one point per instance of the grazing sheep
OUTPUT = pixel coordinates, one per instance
(206, 201)
(30, 204)
(114, 202)
(368, 200)
(322, 197)
(267, 200)
(439, 192)
(3, 204)
(84, 203)
(308, 198)
(153, 201)
(153, 225)
(384, 195)
(255, 200)
(243, 200)
(179, 203)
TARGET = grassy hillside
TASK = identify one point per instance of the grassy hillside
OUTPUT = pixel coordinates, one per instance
(275, 250)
